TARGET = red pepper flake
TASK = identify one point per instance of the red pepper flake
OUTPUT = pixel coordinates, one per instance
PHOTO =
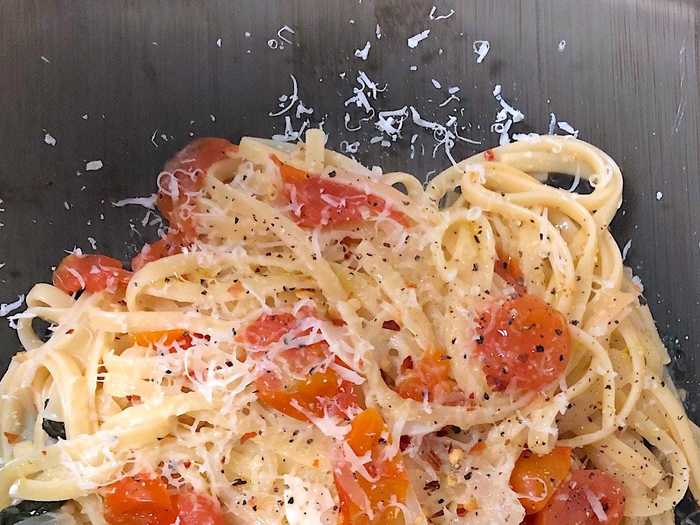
(133, 400)
(248, 435)
(391, 325)
(478, 448)
(489, 155)
(11, 437)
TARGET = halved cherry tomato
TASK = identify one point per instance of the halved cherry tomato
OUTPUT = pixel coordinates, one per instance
(268, 329)
(507, 268)
(526, 344)
(573, 502)
(171, 244)
(321, 391)
(94, 273)
(320, 201)
(184, 174)
(429, 378)
(368, 434)
(197, 509)
(365, 431)
(536, 478)
(165, 337)
(140, 500)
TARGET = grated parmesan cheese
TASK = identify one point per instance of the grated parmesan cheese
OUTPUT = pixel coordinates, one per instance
(596, 505)
(147, 202)
(364, 52)
(432, 16)
(7, 308)
(505, 118)
(306, 502)
(626, 249)
(93, 165)
(417, 39)
(481, 49)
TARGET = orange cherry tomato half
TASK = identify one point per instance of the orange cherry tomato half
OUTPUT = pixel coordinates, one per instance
(197, 509)
(429, 378)
(319, 201)
(93, 273)
(369, 434)
(142, 500)
(365, 431)
(526, 343)
(139, 501)
(165, 337)
(536, 478)
(573, 503)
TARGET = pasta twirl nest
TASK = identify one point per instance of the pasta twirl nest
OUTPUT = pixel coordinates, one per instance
(315, 342)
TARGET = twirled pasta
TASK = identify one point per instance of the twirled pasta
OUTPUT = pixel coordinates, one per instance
(192, 413)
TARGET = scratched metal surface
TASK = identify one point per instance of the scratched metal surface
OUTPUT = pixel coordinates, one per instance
(129, 82)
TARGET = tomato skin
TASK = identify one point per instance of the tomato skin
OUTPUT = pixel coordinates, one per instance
(139, 501)
(539, 477)
(367, 429)
(186, 172)
(197, 509)
(324, 202)
(429, 378)
(525, 343)
(570, 503)
(97, 272)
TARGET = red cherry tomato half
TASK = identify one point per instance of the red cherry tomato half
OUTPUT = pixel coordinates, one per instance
(526, 343)
(573, 503)
(170, 244)
(93, 273)
(197, 509)
(268, 329)
(318, 201)
(184, 174)
(139, 501)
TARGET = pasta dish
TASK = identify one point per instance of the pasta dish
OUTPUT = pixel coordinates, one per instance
(311, 341)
